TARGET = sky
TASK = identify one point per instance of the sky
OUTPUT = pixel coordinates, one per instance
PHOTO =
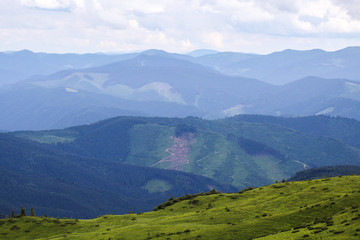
(251, 26)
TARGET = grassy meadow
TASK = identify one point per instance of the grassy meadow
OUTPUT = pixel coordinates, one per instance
(327, 208)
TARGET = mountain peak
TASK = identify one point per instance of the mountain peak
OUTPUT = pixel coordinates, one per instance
(152, 52)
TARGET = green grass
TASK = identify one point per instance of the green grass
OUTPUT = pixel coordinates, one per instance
(318, 209)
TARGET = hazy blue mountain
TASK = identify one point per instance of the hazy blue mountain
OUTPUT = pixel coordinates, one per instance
(289, 65)
(20, 65)
(275, 68)
(30, 107)
(221, 61)
(202, 52)
(157, 83)
(313, 96)
(151, 84)
(63, 184)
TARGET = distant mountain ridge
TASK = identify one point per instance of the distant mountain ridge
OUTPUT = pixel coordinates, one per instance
(147, 85)
(20, 65)
(274, 68)
(289, 65)
(157, 83)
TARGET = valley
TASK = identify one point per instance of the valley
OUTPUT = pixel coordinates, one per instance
(172, 120)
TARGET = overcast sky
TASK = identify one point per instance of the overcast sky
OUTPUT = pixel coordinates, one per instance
(257, 26)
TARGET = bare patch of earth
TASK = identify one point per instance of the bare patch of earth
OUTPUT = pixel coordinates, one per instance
(178, 152)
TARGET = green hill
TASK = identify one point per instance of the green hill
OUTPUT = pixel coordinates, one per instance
(316, 209)
(242, 154)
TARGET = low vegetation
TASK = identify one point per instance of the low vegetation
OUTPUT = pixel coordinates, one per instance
(327, 208)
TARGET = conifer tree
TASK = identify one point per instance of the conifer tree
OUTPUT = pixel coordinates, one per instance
(12, 213)
(32, 212)
(22, 212)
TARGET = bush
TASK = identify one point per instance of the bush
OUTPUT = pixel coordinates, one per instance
(246, 189)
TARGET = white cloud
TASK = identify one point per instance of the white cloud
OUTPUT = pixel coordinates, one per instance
(49, 4)
(178, 25)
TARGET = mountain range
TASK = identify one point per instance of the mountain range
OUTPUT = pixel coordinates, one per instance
(157, 83)
(289, 65)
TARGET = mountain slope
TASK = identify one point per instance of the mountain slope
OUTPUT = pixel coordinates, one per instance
(321, 209)
(62, 184)
(158, 84)
(159, 77)
(238, 153)
(312, 96)
(343, 129)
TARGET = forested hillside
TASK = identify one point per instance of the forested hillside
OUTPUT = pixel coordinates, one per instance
(242, 154)
(324, 172)
(68, 185)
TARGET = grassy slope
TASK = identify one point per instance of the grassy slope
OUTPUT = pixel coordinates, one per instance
(317, 209)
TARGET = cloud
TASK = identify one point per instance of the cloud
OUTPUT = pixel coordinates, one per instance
(50, 4)
(352, 7)
(178, 25)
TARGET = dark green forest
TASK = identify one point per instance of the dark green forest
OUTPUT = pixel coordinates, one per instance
(325, 172)
(63, 184)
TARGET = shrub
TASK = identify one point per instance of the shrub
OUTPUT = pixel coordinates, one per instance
(193, 202)
(246, 189)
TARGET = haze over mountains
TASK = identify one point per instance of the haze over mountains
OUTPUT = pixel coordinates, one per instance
(62, 90)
